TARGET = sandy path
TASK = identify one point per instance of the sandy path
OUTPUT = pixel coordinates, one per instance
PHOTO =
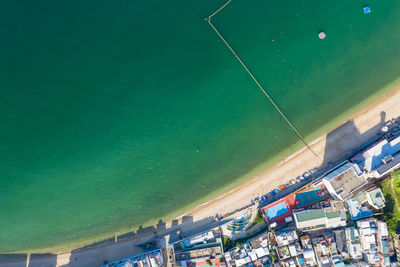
(396, 201)
(331, 146)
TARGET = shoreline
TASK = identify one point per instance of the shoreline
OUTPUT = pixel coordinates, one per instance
(364, 121)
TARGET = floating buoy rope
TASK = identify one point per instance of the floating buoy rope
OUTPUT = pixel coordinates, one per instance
(208, 19)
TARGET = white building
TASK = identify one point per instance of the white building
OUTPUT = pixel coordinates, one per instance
(376, 199)
(295, 249)
(382, 230)
(309, 257)
(344, 180)
(313, 219)
(368, 229)
(382, 158)
(284, 238)
(353, 243)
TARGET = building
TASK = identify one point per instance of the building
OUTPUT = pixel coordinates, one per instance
(284, 237)
(314, 219)
(288, 248)
(306, 242)
(308, 251)
(149, 259)
(307, 197)
(322, 251)
(367, 226)
(360, 205)
(309, 257)
(280, 212)
(357, 211)
(199, 248)
(255, 252)
(343, 181)
(382, 230)
(295, 249)
(353, 243)
(375, 198)
(337, 261)
(382, 157)
(368, 229)
(340, 238)
(389, 163)
(383, 241)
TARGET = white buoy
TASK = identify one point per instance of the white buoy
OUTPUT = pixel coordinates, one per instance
(321, 35)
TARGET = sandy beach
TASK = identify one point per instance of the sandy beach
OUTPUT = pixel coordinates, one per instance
(330, 147)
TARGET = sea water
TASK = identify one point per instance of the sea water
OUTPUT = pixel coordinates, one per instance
(117, 114)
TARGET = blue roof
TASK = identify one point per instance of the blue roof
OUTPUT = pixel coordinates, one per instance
(276, 211)
(372, 158)
(357, 211)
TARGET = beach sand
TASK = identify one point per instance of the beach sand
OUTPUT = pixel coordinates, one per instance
(330, 147)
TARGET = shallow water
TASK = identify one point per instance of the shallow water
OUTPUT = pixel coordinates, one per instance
(117, 113)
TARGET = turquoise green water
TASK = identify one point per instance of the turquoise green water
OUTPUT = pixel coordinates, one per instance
(118, 113)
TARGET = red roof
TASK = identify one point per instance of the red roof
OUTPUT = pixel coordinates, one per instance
(292, 203)
(279, 220)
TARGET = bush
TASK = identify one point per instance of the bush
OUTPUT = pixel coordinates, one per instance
(257, 220)
(228, 244)
(390, 213)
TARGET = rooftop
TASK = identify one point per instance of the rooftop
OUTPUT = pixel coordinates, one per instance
(383, 231)
(357, 211)
(285, 237)
(386, 260)
(387, 166)
(306, 241)
(280, 212)
(309, 220)
(377, 198)
(199, 253)
(340, 239)
(277, 210)
(295, 249)
(333, 214)
(309, 215)
(345, 179)
(352, 234)
(367, 226)
(309, 197)
(372, 158)
(385, 247)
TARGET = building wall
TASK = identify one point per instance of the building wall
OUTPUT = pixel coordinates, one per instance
(330, 189)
